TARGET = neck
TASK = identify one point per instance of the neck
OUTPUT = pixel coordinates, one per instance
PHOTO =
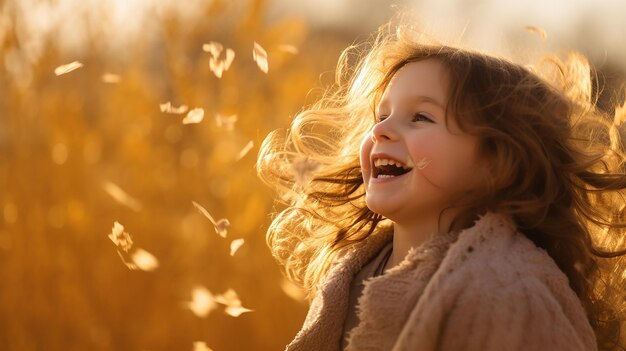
(408, 234)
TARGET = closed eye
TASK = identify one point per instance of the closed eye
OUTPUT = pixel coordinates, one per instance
(420, 117)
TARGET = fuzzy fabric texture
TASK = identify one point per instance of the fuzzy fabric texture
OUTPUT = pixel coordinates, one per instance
(486, 288)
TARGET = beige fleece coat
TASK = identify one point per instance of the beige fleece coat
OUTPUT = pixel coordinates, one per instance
(487, 288)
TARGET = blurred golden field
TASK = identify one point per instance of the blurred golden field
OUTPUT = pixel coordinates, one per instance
(82, 150)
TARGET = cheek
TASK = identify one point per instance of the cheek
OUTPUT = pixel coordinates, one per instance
(429, 150)
(448, 161)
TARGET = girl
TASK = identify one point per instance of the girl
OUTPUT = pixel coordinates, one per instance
(443, 199)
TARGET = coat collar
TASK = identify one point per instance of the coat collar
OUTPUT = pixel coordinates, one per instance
(323, 327)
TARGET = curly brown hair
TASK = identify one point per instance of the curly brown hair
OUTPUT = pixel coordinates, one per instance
(558, 165)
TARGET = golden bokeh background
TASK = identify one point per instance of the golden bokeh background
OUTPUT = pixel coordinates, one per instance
(65, 139)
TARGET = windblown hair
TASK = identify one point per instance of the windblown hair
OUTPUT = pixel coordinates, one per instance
(557, 165)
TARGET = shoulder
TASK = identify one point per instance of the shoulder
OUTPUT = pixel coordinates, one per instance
(497, 277)
(494, 252)
(524, 314)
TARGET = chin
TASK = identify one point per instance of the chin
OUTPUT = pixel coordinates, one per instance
(381, 207)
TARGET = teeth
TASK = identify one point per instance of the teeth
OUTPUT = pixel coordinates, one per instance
(385, 161)
(385, 176)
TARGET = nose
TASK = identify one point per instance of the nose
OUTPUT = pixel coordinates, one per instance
(384, 131)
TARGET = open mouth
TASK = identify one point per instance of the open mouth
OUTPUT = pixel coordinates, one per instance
(388, 168)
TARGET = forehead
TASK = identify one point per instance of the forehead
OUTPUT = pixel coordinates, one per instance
(427, 78)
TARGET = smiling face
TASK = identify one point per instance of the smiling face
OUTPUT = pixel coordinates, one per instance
(413, 164)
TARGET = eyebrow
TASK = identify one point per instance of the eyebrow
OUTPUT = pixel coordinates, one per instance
(419, 98)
